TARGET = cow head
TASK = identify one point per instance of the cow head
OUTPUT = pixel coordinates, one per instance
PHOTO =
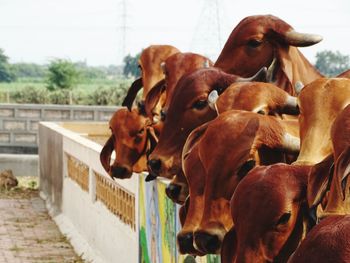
(320, 102)
(151, 71)
(268, 209)
(174, 68)
(329, 182)
(224, 150)
(131, 138)
(188, 109)
(264, 41)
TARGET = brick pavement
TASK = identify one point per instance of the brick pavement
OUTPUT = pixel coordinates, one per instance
(28, 234)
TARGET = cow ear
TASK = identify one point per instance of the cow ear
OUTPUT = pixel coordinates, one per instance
(245, 168)
(342, 171)
(105, 155)
(183, 211)
(286, 68)
(132, 92)
(193, 138)
(153, 97)
(229, 246)
(152, 140)
(319, 181)
(260, 76)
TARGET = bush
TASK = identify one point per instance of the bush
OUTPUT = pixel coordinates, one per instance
(62, 74)
(30, 94)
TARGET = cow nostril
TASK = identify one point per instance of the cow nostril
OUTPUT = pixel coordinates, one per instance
(185, 242)
(154, 164)
(119, 171)
(173, 191)
(207, 243)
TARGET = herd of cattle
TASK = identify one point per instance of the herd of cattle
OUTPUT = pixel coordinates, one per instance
(257, 146)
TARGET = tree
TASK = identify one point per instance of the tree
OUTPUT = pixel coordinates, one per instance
(131, 65)
(62, 74)
(6, 73)
(332, 63)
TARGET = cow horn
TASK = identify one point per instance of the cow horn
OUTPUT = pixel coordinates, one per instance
(297, 39)
(106, 153)
(132, 92)
(259, 76)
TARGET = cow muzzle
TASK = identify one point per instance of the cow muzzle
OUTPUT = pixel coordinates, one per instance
(185, 244)
(121, 172)
(207, 243)
(177, 192)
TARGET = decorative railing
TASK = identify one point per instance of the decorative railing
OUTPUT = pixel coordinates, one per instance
(118, 200)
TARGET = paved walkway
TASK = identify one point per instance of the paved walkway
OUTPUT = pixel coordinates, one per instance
(27, 233)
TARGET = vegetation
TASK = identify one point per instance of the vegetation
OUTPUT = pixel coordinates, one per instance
(62, 74)
(6, 72)
(332, 63)
(66, 82)
(131, 66)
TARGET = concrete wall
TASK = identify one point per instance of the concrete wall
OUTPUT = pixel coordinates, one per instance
(20, 164)
(94, 230)
(19, 122)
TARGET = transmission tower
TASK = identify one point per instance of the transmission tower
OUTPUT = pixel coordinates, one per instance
(207, 38)
(122, 28)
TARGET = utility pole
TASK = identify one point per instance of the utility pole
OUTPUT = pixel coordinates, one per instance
(207, 38)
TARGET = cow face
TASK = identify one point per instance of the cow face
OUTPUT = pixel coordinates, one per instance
(187, 110)
(177, 190)
(150, 64)
(320, 102)
(151, 71)
(129, 140)
(224, 166)
(268, 209)
(264, 41)
(174, 67)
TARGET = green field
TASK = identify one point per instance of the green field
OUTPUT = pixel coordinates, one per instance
(96, 92)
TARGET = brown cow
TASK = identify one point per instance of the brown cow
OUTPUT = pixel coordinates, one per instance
(270, 214)
(256, 237)
(223, 150)
(320, 102)
(264, 40)
(174, 68)
(189, 108)
(127, 121)
(337, 202)
(131, 138)
(329, 241)
(151, 71)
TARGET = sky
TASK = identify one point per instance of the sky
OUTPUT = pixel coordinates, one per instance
(91, 30)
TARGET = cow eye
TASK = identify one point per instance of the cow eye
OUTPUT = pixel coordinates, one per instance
(253, 43)
(284, 219)
(200, 104)
(140, 132)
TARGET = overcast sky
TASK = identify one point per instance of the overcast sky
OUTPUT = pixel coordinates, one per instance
(90, 30)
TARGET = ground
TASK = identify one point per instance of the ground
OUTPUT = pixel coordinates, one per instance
(27, 232)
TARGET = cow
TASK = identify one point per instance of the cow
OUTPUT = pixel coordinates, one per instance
(127, 143)
(150, 62)
(329, 241)
(174, 68)
(319, 103)
(215, 157)
(337, 201)
(131, 138)
(269, 209)
(267, 41)
(289, 193)
(189, 108)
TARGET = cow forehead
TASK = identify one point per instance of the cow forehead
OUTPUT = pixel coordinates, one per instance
(124, 121)
(262, 196)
